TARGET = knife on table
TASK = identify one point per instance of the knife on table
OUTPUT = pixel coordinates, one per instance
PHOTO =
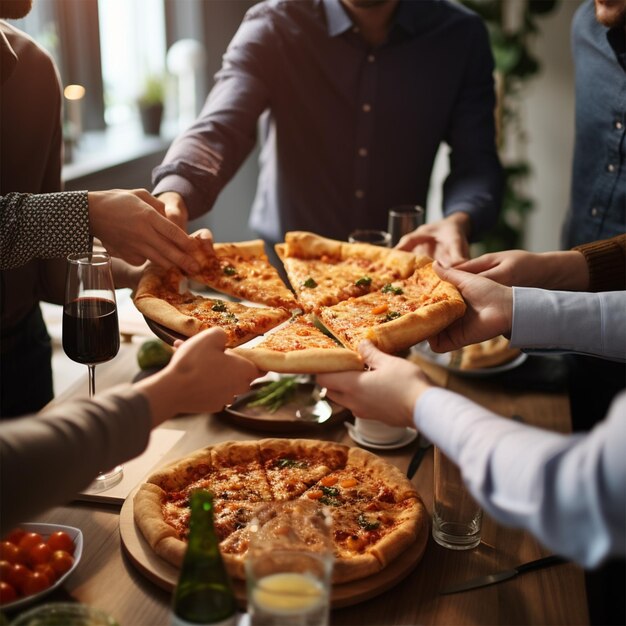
(423, 445)
(498, 577)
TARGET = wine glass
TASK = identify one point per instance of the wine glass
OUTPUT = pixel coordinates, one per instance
(90, 328)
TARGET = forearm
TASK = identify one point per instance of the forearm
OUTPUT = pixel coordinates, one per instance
(42, 226)
(562, 270)
(52, 456)
(567, 490)
(587, 323)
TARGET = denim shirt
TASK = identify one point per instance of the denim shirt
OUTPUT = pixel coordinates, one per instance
(598, 192)
(348, 131)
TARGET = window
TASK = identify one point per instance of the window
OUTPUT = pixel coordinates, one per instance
(132, 37)
(111, 47)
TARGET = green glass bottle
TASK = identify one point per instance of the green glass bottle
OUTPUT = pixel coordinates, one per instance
(204, 593)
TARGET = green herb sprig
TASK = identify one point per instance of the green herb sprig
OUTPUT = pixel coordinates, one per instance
(274, 394)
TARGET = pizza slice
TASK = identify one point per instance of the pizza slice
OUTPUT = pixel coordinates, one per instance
(376, 514)
(160, 298)
(399, 315)
(243, 270)
(325, 271)
(292, 466)
(299, 346)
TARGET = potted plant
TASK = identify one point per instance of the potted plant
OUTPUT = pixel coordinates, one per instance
(151, 105)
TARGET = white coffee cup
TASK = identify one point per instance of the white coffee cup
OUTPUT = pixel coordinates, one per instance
(378, 432)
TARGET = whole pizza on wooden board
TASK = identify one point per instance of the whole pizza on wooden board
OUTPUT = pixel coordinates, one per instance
(377, 513)
(350, 291)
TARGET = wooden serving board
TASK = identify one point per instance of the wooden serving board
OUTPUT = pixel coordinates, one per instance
(165, 575)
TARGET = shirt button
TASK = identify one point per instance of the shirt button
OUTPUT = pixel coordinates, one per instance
(367, 108)
(610, 167)
(618, 125)
(594, 212)
(371, 58)
(359, 193)
(363, 152)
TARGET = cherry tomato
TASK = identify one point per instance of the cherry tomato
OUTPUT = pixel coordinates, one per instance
(9, 552)
(60, 540)
(48, 571)
(61, 561)
(41, 553)
(7, 593)
(6, 569)
(15, 536)
(19, 576)
(35, 583)
(29, 541)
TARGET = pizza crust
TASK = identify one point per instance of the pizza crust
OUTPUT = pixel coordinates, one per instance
(308, 361)
(169, 316)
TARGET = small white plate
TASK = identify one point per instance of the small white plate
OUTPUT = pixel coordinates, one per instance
(45, 530)
(406, 439)
(443, 360)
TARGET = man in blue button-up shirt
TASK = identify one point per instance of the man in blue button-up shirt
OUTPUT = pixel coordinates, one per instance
(597, 211)
(355, 97)
(598, 195)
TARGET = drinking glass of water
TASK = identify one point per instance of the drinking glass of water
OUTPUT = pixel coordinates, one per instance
(404, 219)
(289, 565)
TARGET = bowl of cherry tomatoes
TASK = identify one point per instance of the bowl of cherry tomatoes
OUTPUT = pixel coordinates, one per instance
(34, 560)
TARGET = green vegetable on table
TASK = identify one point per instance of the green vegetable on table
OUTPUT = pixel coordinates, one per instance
(274, 394)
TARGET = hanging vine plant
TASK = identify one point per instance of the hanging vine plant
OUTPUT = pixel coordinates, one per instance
(512, 24)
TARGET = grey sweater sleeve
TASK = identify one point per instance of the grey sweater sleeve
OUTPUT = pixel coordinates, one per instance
(46, 459)
(565, 321)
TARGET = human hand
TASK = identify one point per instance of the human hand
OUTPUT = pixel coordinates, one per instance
(204, 244)
(132, 225)
(201, 377)
(175, 208)
(548, 270)
(387, 392)
(445, 240)
(489, 310)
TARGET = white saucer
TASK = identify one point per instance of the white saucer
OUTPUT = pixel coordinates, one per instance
(406, 439)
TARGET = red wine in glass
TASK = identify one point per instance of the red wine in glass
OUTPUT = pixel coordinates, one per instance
(90, 327)
(90, 330)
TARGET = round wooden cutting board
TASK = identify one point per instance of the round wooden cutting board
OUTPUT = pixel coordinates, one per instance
(165, 575)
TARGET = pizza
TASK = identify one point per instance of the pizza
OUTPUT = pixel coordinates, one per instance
(324, 271)
(489, 353)
(398, 315)
(375, 510)
(352, 291)
(243, 270)
(300, 346)
(160, 297)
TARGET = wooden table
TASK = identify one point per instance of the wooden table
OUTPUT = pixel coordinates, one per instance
(107, 579)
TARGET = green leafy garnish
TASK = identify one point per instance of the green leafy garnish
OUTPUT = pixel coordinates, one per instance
(282, 463)
(219, 306)
(366, 524)
(229, 270)
(309, 283)
(333, 492)
(274, 394)
(329, 501)
(365, 281)
(389, 288)
(392, 315)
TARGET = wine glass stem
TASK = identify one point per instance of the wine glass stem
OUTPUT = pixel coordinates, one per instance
(92, 380)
